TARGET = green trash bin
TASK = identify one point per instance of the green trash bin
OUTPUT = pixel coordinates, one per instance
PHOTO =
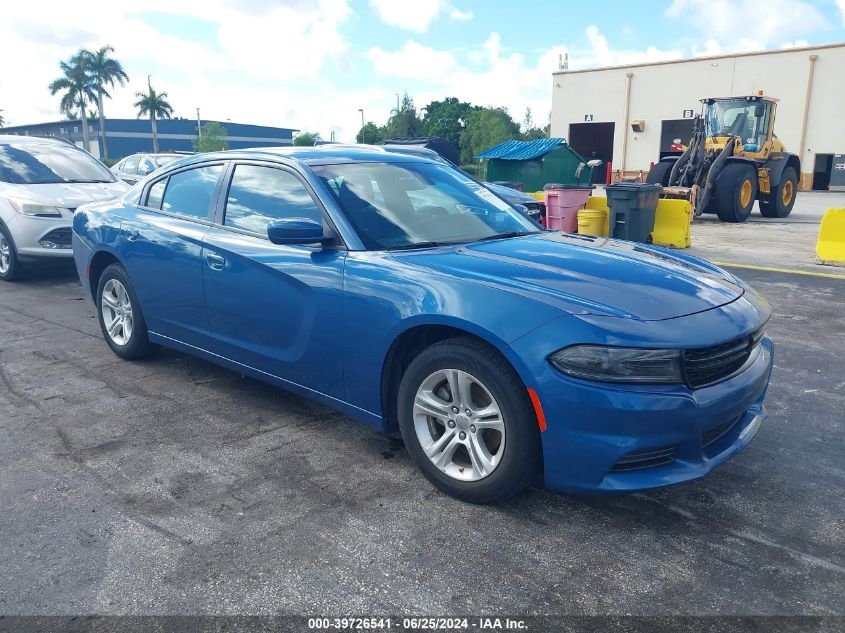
(632, 206)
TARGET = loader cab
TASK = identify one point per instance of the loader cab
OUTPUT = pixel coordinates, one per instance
(749, 118)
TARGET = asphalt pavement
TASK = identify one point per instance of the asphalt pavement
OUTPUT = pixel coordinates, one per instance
(172, 486)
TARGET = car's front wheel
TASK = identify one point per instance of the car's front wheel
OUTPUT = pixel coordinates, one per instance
(9, 265)
(468, 423)
(120, 315)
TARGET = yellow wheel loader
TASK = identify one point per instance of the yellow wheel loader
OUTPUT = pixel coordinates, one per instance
(733, 159)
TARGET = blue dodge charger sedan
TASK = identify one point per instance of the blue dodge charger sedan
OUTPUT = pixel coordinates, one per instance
(403, 293)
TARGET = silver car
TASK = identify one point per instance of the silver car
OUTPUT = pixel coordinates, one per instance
(136, 167)
(42, 182)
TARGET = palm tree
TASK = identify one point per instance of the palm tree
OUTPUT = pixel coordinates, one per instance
(2, 120)
(104, 70)
(153, 104)
(78, 88)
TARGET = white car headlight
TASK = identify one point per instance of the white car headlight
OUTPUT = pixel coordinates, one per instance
(25, 207)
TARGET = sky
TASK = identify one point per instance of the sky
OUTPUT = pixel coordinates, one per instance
(312, 64)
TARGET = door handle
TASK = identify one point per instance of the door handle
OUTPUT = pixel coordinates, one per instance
(215, 262)
(133, 234)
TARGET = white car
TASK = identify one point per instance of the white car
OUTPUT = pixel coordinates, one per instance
(42, 182)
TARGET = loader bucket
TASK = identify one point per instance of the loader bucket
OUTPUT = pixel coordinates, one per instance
(830, 248)
(672, 223)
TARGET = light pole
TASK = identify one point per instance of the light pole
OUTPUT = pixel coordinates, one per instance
(361, 110)
(397, 102)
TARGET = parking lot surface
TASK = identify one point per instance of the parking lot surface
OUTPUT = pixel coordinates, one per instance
(172, 486)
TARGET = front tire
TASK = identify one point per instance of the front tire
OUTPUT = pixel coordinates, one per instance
(736, 191)
(119, 312)
(659, 174)
(468, 423)
(782, 199)
(10, 267)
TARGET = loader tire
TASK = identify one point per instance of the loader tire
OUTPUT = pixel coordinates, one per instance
(659, 174)
(736, 190)
(782, 198)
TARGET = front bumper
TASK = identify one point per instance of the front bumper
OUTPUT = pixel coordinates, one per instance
(604, 438)
(33, 236)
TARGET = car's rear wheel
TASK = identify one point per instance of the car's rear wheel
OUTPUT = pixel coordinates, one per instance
(9, 264)
(468, 423)
(120, 315)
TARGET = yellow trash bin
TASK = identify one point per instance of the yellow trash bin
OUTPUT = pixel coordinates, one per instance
(671, 223)
(830, 248)
(594, 218)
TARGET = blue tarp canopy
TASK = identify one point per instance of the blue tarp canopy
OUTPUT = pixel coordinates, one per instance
(522, 150)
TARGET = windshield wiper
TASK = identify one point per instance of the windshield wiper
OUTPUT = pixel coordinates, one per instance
(504, 236)
(81, 181)
(405, 247)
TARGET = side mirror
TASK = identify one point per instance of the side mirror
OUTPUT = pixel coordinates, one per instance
(759, 109)
(296, 231)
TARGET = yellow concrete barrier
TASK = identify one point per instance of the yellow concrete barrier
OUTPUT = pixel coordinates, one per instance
(830, 248)
(671, 223)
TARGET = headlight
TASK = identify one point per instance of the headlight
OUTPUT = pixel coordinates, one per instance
(620, 364)
(25, 207)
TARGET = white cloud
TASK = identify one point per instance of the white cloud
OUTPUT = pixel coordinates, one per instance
(744, 25)
(416, 15)
(841, 5)
(412, 61)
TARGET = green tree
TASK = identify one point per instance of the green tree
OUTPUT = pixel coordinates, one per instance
(530, 131)
(79, 90)
(446, 119)
(306, 139)
(371, 134)
(211, 138)
(486, 127)
(104, 71)
(2, 120)
(404, 122)
(154, 105)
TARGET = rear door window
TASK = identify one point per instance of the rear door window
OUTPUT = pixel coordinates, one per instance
(190, 192)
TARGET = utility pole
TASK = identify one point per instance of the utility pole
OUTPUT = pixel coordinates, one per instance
(199, 125)
(397, 102)
(361, 110)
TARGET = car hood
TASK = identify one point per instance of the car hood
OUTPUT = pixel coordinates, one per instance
(68, 195)
(583, 275)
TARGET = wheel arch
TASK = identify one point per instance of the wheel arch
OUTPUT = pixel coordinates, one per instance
(413, 340)
(777, 164)
(99, 262)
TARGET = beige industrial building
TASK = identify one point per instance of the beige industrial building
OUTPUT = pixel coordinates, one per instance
(632, 115)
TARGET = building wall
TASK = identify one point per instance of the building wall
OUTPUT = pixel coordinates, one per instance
(129, 136)
(663, 91)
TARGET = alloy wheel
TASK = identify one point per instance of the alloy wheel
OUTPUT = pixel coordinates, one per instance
(117, 312)
(5, 254)
(459, 424)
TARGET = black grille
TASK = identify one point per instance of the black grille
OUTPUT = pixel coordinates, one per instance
(60, 237)
(711, 364)
(645, 459)
(711, 435)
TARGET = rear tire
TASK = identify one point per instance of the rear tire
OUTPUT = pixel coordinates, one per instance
(501, 420)
(736, 191)
(782, 198)
(659, 174)
(10, 267)
(120, 316)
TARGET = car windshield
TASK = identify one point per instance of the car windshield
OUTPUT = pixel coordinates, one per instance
(736, 117)
(39, 163)
(407, 205)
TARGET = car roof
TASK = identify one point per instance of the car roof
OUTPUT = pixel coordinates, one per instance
(22, 138)
(318, 155)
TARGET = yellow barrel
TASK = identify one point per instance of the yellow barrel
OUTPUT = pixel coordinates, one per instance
(592, 222)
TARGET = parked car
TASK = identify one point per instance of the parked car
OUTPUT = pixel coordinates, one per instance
(395, 290)
(42, 182)
(136, 167)
(521, 201)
